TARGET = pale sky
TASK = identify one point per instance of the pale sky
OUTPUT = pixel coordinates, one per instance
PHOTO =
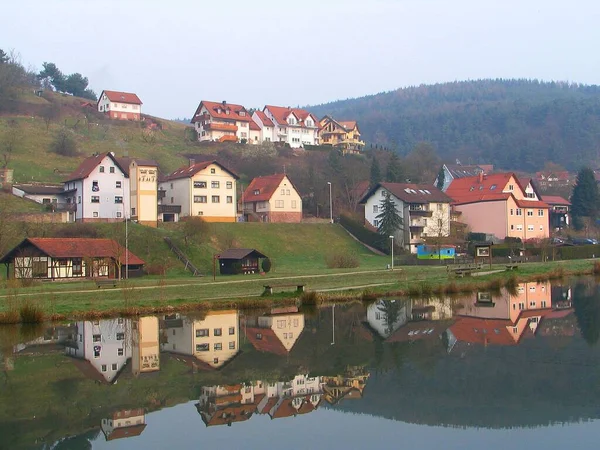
(297, 52)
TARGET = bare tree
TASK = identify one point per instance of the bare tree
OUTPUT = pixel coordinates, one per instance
(50, 114)
(11, 139)
(438, 229)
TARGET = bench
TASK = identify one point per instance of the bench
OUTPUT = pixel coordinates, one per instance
(463, 270)
(106, 282)
(269, 287)
(512, 266)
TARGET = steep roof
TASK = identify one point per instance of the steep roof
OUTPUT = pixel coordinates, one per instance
(253, 125)
(219, 110)
(266, 187)
(77, 248)
(264, 119)
(121, 97)
(89, 164)
(281, 113)
(460, 171)
(411, 193)
(190, 171)
(555, 200)
(265, 340)
(480, 188)
(285, 409)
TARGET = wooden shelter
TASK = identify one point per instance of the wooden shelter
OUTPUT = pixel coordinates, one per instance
(63, 258)
(240, 260)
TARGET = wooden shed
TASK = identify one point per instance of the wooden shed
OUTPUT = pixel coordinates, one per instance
(240, 260)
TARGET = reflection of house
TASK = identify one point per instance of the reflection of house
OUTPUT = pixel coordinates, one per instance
(240, 260)
(145, 351)
(272, 198)
(124, 424)
(276, 332)
(386, 316)
(503, 320)
(54, 258)
(101, 348)
(213, 340)
(349, 386)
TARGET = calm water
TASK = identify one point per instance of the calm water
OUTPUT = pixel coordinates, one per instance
(518, 370)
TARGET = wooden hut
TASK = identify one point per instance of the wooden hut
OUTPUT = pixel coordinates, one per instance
(240, 260)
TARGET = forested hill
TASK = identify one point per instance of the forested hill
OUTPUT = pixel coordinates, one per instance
(513, 124)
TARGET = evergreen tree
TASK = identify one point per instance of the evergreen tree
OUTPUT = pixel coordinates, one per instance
(587, 311)
(389, 218)
(375, 172)
(441, 178)
(585, 199)
(395, 171)
(334, 161)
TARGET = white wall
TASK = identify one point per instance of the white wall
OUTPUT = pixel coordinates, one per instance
(375, 200)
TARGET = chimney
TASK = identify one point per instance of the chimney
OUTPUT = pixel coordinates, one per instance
(224, 103)
(480, 177)
(192, 162)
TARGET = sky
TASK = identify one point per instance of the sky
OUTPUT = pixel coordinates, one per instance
(175, 53)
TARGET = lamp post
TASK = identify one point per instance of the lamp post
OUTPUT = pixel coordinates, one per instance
(330, 203)
(333, 324)
(392, 245)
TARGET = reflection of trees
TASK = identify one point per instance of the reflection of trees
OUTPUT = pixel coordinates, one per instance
(391, 314)
(587, 311)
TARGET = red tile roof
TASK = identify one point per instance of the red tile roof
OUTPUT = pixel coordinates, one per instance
(281, 114)
(411, 192)
(285, 409)
(349, 125)
(121, 97)
(219, 111)
(126, 432)
(254, 126)
(90, 163)
(269, 405)
(266, 187)
(531, 204)
(555, 200)
(483, 331)
(306, 406)
(265, 340)
(79, 248)
(190, 171)
(479, 189)
(264, 119)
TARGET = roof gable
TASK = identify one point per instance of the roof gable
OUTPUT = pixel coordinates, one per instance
(264, 119)
(121, 97)
(281, 114)
(261, 189)
(190, 171)
(481, 188)
(223, 110)
(88, 165)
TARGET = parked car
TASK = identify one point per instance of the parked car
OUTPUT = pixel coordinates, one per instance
(584, 241)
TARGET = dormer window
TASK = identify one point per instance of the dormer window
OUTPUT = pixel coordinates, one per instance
(256, 191)
(309, 123)
(227, 112)
(242, 114)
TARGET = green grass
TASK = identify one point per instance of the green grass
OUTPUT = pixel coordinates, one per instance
(14, 204)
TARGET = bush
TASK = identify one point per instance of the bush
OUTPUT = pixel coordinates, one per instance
(266, 265)
(342, 260)
(64, 144)
(31, 313)
(77, 230)
(365, 235)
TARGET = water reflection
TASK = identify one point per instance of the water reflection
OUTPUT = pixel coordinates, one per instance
(408, 360)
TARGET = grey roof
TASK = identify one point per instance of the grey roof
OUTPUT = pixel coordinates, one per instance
(40, 189)
(240, 253)
(460, 171)
(411, 193)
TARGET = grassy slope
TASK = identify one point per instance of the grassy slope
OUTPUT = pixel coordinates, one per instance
(9, 202)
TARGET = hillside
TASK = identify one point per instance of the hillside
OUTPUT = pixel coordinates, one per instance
(513, 124)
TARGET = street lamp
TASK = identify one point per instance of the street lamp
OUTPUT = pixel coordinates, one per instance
(392, 245)
(333, 324)
(330, 203)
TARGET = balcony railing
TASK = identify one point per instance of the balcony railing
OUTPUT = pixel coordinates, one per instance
(216, 126)
(169, 209)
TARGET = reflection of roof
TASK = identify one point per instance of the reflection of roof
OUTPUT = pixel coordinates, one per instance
(227, 415)
(127, 413)
(307, 406)
(269, 405)
(483, 331)
(285, 409)
(413, 331)
(125, 432)
(265, 340)
(240, 253)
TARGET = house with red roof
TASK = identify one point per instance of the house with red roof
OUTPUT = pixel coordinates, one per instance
(124, 423)
(343, 135)
(204, 189)
(276, 332)
(559, 211)
(266, 126)
(293, 126)
(225, 122)
(120, 105)
(500, 205)
(272, 198)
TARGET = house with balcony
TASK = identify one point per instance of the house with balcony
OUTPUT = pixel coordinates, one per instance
(120, 105)
(424, 209)
(224, 122)
(559, 211)
(342, 135)
(205, 189)
(272, 198)
(500, 205)
(293, 126)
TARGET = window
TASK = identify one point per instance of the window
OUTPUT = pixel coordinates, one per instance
(512, 227)
(375, 223)
(281, 324)
(229, 199)
(79, 199)
(229, 184)
(120, 336)
(231, 330)
(540, 212)
(111, 169)
(215, 184)
(101, 169)
(519, 212)
(530, 212)
(541, 227)
(114, 367)
(232, 345)
(119, 215)
(278, 203)
(96, 338)
(216, 361)
(200, 199)
(287, 192)
(213, 170)
(519, 227)
(171, 185)
(530, 228)
(202, 347)
(296, 322)
(259, 336)
(95, 199)
(120, 352)
(200, 184)
(283, 192)
(46, 201)
(203, 332)
(218, 331)
(172, 200)
(218, 346)
(511, 187)
(95, 214)
(133, 211)
(118, 185)
(256, 191)
(293, 204)
(440, 206)
(118, 199)
(375, 209)
(440, 223)
(103, 367)
(543, 303)
(216, 199)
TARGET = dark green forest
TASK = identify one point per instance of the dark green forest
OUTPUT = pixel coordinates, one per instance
(513, 124)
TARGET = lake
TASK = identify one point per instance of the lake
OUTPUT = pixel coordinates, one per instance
(516, 369)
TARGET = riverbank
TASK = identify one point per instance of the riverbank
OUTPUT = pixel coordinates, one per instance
(76, 300)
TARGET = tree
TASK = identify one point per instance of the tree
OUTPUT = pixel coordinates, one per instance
(395, 171)
(10, 141)
(50, 113)
(389, 219)
(51, 76)
(587, 311)
(75, 83)
(375, 172)
(585, 200)
(64, 144)
(390, 310)
(193, 228)
(3, 57)
(421, 163)
(441, 179)
(438, 229)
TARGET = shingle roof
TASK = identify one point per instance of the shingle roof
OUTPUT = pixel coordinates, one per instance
(121, 97)
(219, 111)
(411, 193)
(266, 187)
(460, 171)
(190, 171)
(89, 164)
(281, 113)
(555, 200)
(265, 340)
(264, 119)
(476, 189)
(78, 248)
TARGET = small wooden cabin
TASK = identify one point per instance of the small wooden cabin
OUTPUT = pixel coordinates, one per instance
(64, 258)
(240, 260)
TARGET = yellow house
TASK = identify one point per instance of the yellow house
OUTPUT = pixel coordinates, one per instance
(273, 198)
(206, 189)
(143, 185)
(344, 135)
(145, 350)
(276, 332)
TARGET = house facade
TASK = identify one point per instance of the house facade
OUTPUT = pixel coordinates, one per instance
(206, 189)
(224, 122)
(267, 128)
(276, 332)
(559, 211)
(145, 347)
(120, 105)
(424, 209)
(143, 193)
(343, 135)
(293, 126)
(498, 204)
(272, 198)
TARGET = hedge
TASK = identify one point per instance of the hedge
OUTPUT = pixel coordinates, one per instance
(363, 234)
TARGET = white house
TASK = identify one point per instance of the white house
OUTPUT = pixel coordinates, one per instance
(224, 122)
(266, 126)
(120, 105)
(124, 423)
(424, 209)
(40, 192)
(100, 189)
(294, 126)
